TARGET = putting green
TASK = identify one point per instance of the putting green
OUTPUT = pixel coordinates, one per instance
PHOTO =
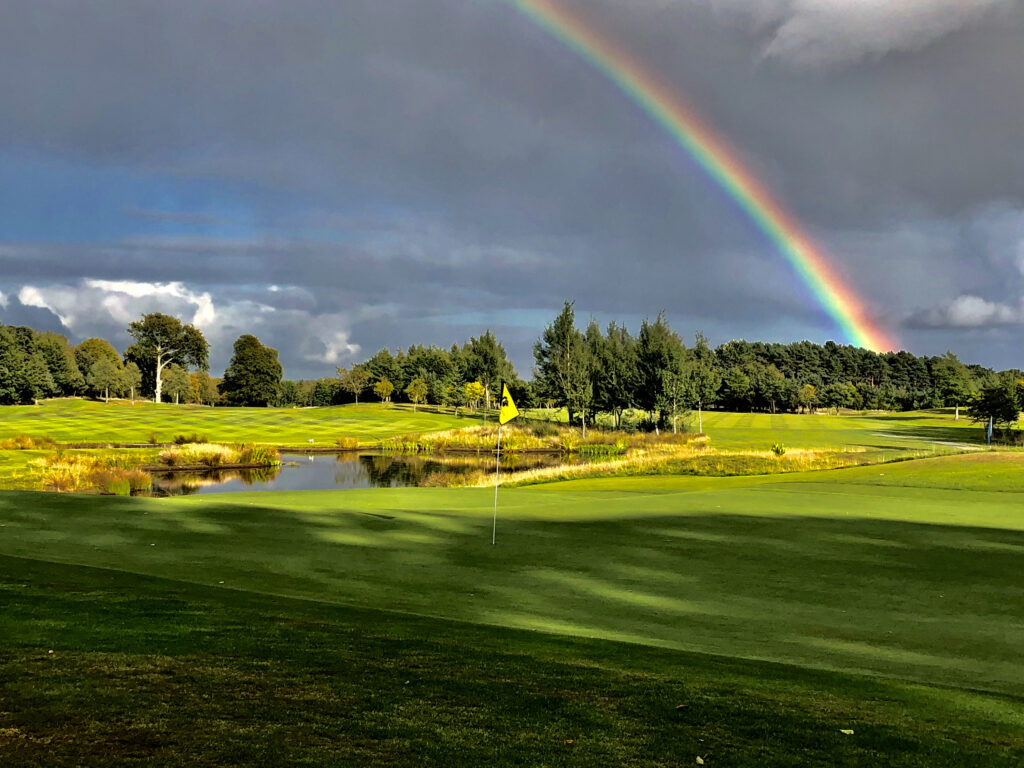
(847, 570)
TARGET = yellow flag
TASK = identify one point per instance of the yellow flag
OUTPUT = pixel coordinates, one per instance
(508, 407)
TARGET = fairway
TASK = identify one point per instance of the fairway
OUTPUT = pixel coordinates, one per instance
(84, 421)
(875, 431)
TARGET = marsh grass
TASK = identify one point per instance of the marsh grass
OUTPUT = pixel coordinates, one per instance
(701, 460)
(213, 455)
(26, 443)
(538, 437)
(109, 472)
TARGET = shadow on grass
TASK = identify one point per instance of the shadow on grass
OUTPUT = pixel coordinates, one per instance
(934, 603)
(108, 668)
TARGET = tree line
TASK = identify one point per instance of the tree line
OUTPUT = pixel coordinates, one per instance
(587, 370)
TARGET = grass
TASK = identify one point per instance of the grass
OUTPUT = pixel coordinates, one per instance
(918, 582)
(84, 421)
(141, 670)
(759, 431)
(380, 627)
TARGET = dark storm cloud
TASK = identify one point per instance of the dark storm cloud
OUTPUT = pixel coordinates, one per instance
(399, 163)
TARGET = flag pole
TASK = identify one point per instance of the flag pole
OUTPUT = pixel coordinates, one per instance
(497, 475)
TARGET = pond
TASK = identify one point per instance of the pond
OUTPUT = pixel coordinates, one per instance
(306, 472)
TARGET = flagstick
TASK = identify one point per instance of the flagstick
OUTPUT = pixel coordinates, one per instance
(497, 475)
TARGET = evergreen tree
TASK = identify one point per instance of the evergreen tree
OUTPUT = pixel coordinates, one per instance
(660, 359)
(563, 365)
(703, 379)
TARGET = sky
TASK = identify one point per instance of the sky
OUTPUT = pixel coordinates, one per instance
(337, 176)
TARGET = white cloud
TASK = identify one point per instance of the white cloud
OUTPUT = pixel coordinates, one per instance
(3, 300)
(969, 311)
(337, 345)
(106, 307)
(30, 296)
(121, 290)
(824, 32)
(1020, 256)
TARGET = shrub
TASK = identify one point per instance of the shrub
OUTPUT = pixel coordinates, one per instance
(186, 439)
(153, 439)
(778, 449)
(348, 443)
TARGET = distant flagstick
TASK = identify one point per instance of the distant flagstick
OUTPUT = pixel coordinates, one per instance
(505, 415)
(497, 481)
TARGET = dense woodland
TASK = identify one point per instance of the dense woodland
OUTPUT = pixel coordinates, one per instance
(588, 370)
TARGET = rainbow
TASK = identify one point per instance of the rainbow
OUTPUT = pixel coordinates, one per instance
(669, 111)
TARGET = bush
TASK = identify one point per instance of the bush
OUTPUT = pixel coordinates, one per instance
(153, 439)
(348, 443)
(778, 449)
(186, 439)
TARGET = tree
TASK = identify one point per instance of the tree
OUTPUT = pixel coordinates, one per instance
(806, 397)
(952, 381)
(563, 365)
(998, 401)
(60, 361)
(383, 390)
(38, 382)
(288, 394)
(703, 378)
(161, 341)
(355, 379)
(177, 382)
(659, 350)
(838, 395)
(484, 360)
(417, 391)
(131, 379)
(616, 373)
(205, 389)
(253, 376)
(674, 390)
(91, 350)
(736, 388)
(105, 376)
(12, 368)
(474, 392)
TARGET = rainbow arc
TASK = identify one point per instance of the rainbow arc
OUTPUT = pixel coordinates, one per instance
(678, 119)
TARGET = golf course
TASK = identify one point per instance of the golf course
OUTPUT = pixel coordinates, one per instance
(869, 615)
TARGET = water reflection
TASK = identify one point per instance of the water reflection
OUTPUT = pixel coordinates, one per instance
(299, 472)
